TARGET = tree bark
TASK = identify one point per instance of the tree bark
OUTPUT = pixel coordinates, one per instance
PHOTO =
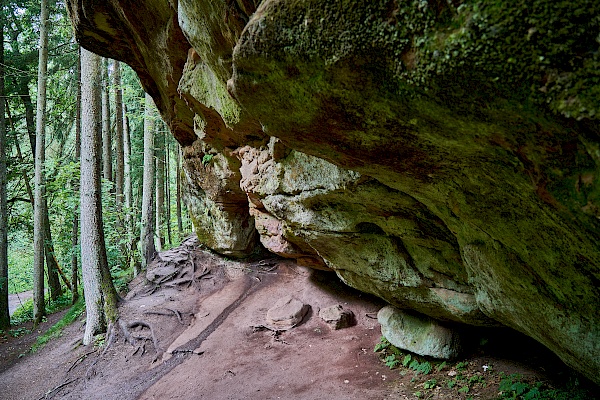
(168, 192)
(75, 230)
(100, 294)
(120, 161)
(160, 190)
(178, 191)
(38, 231)
(106, 139)
(147, 227)
(127, 190)
(52, 267)
(4, 312)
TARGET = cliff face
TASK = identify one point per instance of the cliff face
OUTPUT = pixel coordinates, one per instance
(442, 156)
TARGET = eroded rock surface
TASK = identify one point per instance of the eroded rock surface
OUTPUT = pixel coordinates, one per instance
(441, 155)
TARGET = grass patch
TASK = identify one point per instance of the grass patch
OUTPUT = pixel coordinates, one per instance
(56, 330)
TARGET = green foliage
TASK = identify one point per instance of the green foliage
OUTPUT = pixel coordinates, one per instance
(382, 345)
(391, 361)
(19, 332)
(430, 384)
(206, 159)
(461, 366)
(440, 367)
(20, 264)
(514, 387)
(464, 389)
(25, 312)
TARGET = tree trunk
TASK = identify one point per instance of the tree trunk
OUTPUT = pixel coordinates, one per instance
(4, 313)
(100, 295)
(106, 139)
(147, 227)
(178, 191)
(120, 162)
(127, 189)
(38, 225)
(75, 230)
(52, 266)
(168, 192)
(160, 190)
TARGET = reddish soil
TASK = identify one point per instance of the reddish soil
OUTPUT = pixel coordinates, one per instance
(210, 345)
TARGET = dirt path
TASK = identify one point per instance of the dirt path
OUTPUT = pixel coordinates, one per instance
(208, 347)
(17, 299)
(206, 320)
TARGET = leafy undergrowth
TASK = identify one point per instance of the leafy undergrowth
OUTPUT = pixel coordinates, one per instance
(427, 378)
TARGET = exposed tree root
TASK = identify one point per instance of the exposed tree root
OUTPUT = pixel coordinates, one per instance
(80, 359)
(133, 339)
(184, 351)
(170, 313)
(150, 291)
(111, 334)
(275, 333)
(49, 394)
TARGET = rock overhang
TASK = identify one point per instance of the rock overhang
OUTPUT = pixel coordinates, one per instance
(478, 171)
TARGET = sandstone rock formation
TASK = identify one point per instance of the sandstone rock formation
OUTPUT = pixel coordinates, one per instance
(443, 155)
(420, 335)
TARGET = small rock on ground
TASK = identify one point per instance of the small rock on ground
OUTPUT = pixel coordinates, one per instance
(286, 313)
(336, 317)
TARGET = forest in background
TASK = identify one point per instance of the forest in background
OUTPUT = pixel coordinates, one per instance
(125, 113)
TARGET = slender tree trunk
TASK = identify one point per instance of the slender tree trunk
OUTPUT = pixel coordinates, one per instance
(127, 189)
(75, 231)
(52, 267)
(38, 225)
(100, 295)
(29, 113)
(106, 139)
(178, 190)
(147, 226)
(120, 162)
(168, 193)
(160, 190)
(4, 313)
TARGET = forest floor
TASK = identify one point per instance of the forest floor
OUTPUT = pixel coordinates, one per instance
(201, 333)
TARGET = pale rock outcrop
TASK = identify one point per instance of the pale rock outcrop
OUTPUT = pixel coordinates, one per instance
(418, 334)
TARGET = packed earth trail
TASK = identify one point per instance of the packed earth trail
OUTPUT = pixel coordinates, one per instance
(198, 326)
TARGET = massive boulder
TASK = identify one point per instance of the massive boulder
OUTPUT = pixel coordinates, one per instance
(443, 155)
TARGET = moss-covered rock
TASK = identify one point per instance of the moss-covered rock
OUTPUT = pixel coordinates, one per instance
(461, 109)
(443, 155)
